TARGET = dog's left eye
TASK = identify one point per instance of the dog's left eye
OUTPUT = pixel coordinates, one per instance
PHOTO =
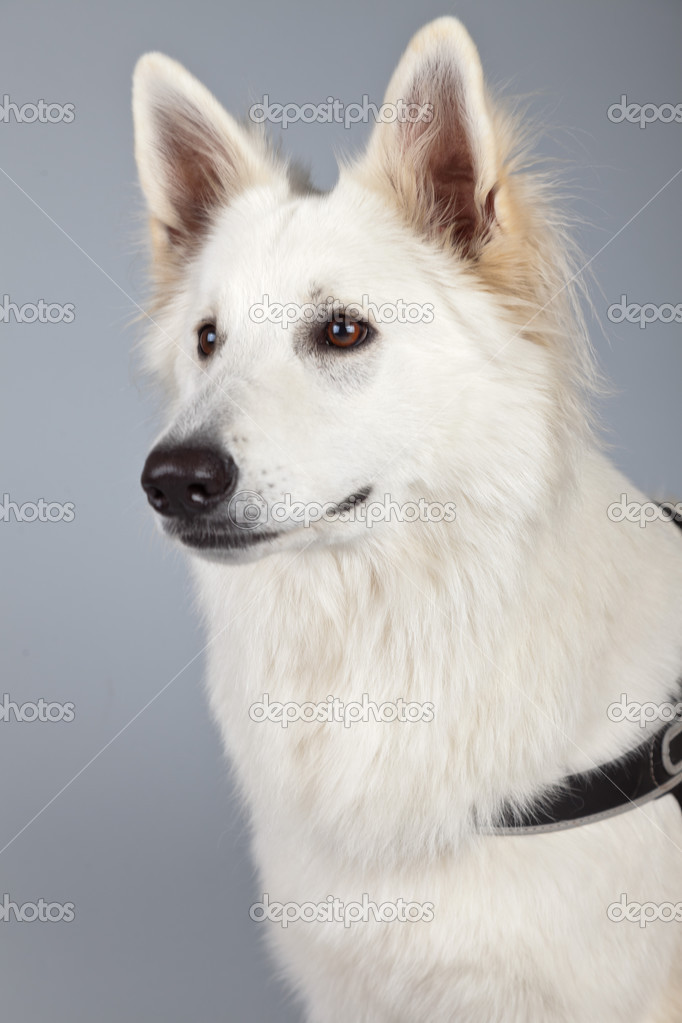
(207, 336)
(345, 333)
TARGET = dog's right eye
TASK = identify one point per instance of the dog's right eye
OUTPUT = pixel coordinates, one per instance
(345, 333)
(208, 337)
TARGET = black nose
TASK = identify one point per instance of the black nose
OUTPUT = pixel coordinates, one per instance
(187, 480)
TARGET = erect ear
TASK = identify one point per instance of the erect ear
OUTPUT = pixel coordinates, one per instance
(438, 157)
(192, 157)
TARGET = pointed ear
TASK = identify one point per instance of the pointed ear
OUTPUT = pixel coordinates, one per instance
(192, 157)
(439, 160)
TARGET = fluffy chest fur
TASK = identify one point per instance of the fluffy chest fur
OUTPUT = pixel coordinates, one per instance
(518, 664)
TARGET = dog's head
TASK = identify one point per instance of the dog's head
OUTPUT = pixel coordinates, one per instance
(325, 351)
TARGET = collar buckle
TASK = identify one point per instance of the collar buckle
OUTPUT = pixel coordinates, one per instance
(672, 758)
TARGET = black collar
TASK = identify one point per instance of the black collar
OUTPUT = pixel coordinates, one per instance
(648, 772)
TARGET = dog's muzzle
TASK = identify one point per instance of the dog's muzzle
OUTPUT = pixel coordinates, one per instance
(192, 487)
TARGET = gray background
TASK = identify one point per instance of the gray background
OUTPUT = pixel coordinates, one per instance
(147, 841)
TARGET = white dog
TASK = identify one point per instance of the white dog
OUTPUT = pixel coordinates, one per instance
(379, 455)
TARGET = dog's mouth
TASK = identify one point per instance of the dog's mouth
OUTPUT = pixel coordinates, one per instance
(220, 538)
(357, 497)
(227, 535)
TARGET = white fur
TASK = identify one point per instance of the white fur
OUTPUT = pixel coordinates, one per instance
(521, 621)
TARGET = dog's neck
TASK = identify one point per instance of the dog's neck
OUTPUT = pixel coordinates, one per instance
(520, 633)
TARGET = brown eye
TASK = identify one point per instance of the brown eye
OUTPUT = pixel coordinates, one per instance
(345, 333)
(208, 337)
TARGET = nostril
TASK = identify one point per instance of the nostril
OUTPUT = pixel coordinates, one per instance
(156, 498)
(198, 494)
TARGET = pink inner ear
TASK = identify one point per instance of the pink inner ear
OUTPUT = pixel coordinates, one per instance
(197, 169)
(443, 156)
